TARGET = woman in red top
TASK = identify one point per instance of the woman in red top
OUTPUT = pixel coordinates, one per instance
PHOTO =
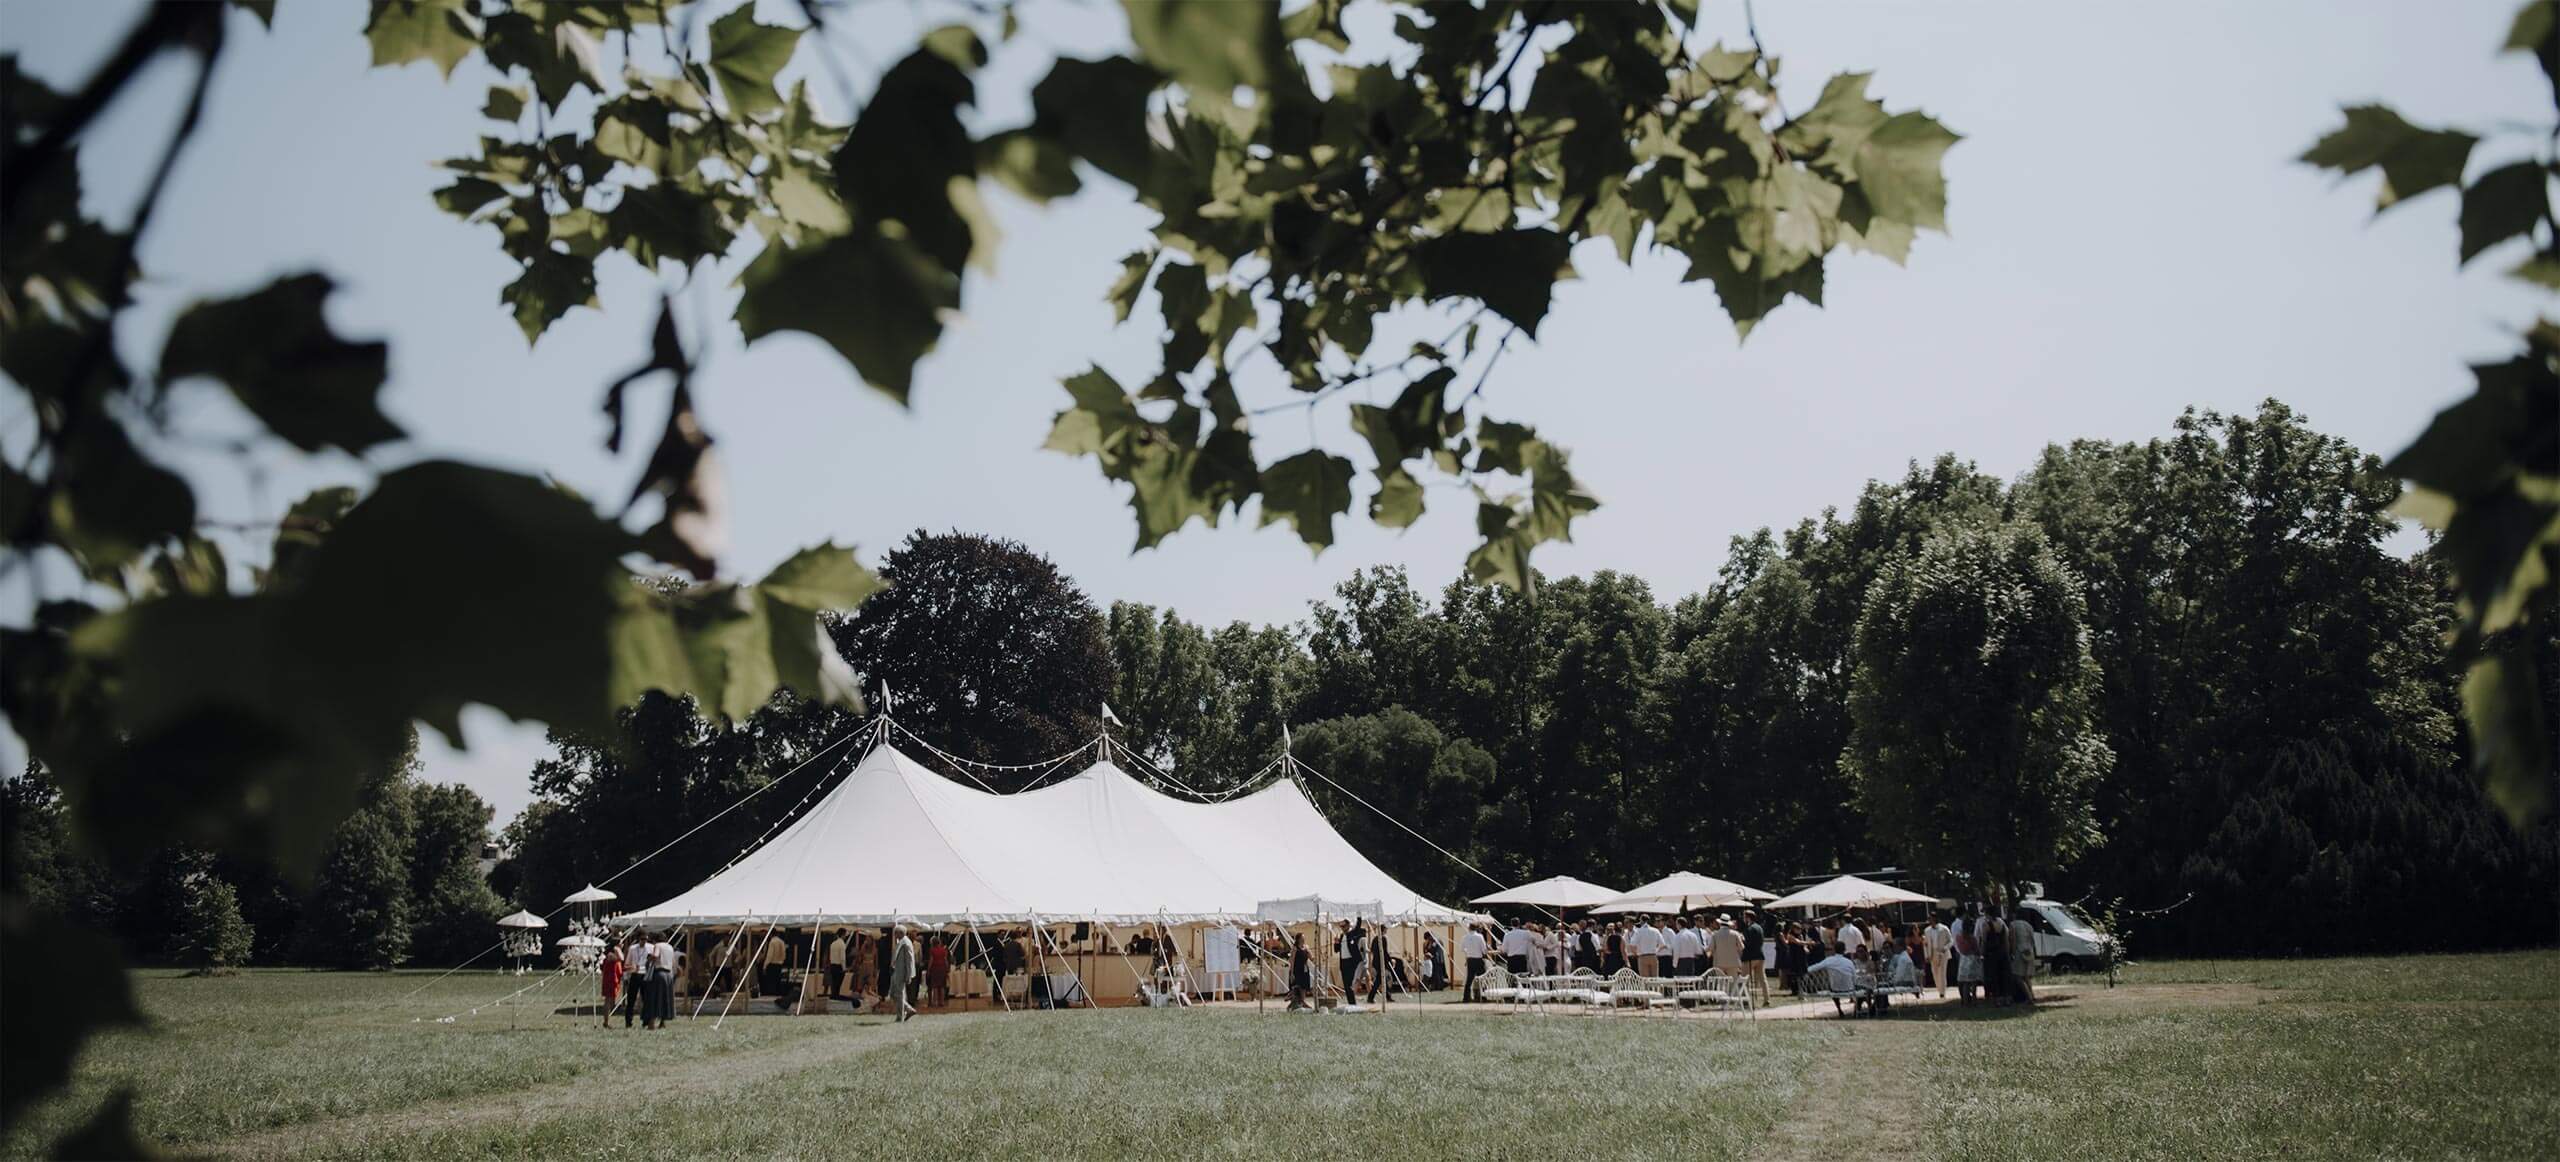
(612, 969)
(937, 971)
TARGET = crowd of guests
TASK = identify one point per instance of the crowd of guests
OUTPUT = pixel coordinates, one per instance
(1680, 946)
(1975, 951)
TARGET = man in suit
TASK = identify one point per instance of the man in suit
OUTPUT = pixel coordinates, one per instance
(902, 972)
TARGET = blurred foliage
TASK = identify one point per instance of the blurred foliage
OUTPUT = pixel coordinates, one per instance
(1299, 197)
(2486, 473)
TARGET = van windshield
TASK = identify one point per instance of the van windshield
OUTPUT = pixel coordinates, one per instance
(2064, 915)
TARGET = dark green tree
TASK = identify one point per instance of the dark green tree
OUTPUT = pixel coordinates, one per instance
(991, 652)
(1973, 743)
(451, 907)
(1407, 768)
(211, 937)
(358, 915)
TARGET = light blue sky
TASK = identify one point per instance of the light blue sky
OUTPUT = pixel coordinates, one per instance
(2129, 236)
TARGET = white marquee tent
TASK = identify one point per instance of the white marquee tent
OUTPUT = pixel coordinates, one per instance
(896, 841)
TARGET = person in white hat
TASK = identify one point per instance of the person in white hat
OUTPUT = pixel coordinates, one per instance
(1724, 947)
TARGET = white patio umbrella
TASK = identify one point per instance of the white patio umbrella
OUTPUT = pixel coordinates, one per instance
(1850, 892)
(522, 920)
(579, 942)
(589, 894)
(1552, 892)
(1682, 892)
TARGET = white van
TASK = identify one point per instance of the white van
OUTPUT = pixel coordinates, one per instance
(2065, 940)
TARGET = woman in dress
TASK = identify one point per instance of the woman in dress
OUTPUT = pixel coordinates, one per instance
(937, 969)
(1301, 973)
(610, 970)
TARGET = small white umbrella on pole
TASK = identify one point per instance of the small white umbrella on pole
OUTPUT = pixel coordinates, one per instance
(520, 940)
(1552, 892)
(1682, 892)
(1850, 892)
(588, 897)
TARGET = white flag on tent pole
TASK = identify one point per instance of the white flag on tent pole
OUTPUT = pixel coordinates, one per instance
(1284, 738)
(888, 700)
(1108, 716)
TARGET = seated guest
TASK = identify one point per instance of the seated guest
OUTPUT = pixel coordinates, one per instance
(1835, 973)
(1897, 971)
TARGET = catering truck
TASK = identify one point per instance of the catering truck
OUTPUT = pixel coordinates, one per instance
(2065, 939)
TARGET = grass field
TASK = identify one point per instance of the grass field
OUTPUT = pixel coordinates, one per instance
(2437, 1057)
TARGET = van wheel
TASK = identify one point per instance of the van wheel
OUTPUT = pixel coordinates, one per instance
(2066, 963)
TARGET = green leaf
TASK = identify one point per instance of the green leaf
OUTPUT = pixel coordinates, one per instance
(550, 285)
(1308, 490)
(2535, 23)
(1513, 272)
(1209, 46)
(874, 299)
(1133, 280)
(746, 55)
(305, 527)
(821, 579)
(1899, 170)
(1098, 111)
(2413, 160)
(533, 644)
(441, 32)
(1102, 416)
(808, 204)
(467, 195)
(109, 504)
(1503, 558)
(264, 10)
(1503, 447)
(1837, 125)
(667, 221)
(2542, 270)
(909, 161)
(2510, 739)
(1031, 165)
(506, 103)
(1399, 500)
(633, 130)
(2505, 202)
(560, 58)
(275, 351)
(2472, 448)
(65, 981)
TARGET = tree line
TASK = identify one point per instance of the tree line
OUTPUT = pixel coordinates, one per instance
(2186, 676)
(399, 881)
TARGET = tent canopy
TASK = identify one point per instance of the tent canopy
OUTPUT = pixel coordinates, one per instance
(1682, 892)
(1552, 892)
(1850, 892)
(895, 840)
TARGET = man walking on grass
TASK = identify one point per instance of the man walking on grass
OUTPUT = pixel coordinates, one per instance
(902, 972)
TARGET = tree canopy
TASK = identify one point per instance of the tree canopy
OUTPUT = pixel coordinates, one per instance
(1973, 744)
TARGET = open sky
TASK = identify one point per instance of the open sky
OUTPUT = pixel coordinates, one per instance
(2129, 237)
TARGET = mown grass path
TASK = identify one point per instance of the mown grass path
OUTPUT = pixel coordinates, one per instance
(714, 1078)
